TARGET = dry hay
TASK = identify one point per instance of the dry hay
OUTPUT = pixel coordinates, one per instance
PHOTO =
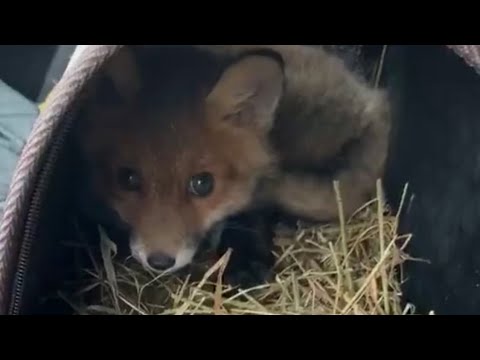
(349, 268)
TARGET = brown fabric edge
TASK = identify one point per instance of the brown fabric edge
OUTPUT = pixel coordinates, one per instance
(469, 53)
(61, 101)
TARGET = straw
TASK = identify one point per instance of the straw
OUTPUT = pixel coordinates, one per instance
(347, 268)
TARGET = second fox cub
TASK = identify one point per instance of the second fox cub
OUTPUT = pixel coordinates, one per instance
(252, 126)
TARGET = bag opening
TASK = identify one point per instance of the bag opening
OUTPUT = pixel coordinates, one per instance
(48, 276)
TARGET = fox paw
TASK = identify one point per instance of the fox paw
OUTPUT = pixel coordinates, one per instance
(249, 273)
(249, 236)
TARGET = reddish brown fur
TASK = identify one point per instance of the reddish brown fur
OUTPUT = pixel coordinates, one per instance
(168, 148)
(324, 108)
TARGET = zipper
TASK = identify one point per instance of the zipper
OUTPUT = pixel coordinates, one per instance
(32, 220)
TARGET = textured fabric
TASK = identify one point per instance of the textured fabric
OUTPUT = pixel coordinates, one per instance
(17, 115)
(470, 53)
(61, 102)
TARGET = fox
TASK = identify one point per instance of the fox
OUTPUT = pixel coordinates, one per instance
(177, 153)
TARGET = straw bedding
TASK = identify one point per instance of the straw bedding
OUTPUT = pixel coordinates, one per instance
(352, 268)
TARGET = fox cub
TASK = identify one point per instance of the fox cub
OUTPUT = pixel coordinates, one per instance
(225, 130)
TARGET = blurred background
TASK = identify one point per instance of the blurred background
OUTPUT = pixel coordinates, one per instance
(27, 75)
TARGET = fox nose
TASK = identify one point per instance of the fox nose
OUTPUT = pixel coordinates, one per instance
(159, 261)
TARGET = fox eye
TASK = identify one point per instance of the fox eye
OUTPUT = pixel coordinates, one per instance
(129, 179)
(201, 185)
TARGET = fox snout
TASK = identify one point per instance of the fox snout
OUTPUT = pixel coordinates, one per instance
(171, 261)
(161, 260)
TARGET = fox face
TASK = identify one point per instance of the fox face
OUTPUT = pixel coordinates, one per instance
(172, 173)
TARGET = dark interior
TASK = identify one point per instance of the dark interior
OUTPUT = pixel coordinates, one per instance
(434, 148)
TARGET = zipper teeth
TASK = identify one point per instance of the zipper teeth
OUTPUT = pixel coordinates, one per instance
(33, 220)
(23, 263)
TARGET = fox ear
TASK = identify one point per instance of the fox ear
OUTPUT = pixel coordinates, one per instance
(121, 78)
(248, 92)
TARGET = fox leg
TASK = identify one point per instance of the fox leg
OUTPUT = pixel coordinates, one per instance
(250, 236)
